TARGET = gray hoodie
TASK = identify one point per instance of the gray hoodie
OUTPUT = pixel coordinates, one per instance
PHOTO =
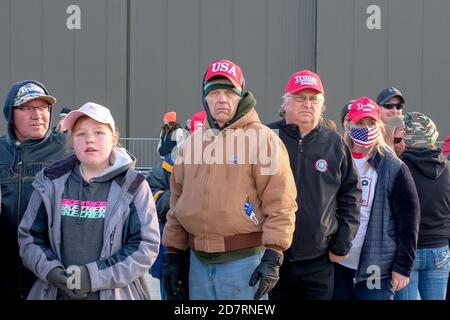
(130, 237)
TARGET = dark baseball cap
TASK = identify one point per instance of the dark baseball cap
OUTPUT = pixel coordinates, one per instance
(345, 109)
(388, 93)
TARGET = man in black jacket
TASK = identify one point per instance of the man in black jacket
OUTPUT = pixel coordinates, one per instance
(328, 193)
(28, 146)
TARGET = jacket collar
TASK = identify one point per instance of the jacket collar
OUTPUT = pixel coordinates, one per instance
(294, 131)
(11, 140)
(61, 167)
(376, 159)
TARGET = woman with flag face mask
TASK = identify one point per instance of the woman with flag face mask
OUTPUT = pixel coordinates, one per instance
(384, 248)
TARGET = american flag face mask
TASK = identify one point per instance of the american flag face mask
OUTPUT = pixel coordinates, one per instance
(365, 137)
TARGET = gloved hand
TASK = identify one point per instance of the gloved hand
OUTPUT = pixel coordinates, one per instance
(58, 277)
(267, 272)
(85, 282)
(176, 289)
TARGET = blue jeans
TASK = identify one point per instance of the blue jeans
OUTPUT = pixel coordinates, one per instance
(429, 277)
(345, 289)
(223, 281)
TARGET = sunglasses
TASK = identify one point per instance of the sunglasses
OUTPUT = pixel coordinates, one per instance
(398, 140)
(390, 106)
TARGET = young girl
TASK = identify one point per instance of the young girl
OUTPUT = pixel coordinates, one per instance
(90, 230)
(382, 255)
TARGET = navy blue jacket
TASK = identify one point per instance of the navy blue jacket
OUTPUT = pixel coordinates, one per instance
(391, 238)
(159, 180)
(19, 163)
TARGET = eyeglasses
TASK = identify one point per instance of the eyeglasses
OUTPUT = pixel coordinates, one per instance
(315, 100)
(398, 140)
(389, 106)
(32, 109)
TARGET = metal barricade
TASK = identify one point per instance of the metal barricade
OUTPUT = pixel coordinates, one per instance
(145, 151)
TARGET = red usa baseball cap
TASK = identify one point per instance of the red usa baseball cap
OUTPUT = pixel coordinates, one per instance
(304, 79)
(364, 108)
(227, 69)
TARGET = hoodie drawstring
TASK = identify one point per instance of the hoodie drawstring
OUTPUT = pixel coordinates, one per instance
(80, 194)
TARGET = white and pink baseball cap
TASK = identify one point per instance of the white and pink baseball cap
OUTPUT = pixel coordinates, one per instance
(92, 110)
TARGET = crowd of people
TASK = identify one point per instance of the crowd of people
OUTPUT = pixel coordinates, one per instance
(235, 210)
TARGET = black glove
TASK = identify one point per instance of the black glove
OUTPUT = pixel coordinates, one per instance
(176, 289)
(58, 277)
(267, 272)
(85, 283)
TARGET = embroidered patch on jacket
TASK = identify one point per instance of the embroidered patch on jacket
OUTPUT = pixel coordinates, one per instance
(321, 165)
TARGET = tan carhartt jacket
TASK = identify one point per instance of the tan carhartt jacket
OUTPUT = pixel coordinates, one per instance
(215, 175)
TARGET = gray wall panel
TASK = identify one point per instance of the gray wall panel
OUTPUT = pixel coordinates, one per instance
(215, 31)
(27, 39)
(405, 48)
(306, 33)
(116, 62)
(59, 56)
(101, 30)
(141, 57)
(182, 87)
(278, 71)
(411, 51)
(436, 64)
(369, 53)
(148, 66)
(250, 39)
(76, 65)
(176, 40)
(5, 57)
(335, 52)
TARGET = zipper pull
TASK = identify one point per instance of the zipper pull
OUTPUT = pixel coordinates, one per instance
(111, 237)
(300, 145)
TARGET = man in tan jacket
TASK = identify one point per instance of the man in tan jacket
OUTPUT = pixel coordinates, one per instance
(233, 198)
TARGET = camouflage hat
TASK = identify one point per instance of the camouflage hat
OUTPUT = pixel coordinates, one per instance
(420, 131)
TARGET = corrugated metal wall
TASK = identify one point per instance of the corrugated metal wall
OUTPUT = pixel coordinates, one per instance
(172, 43)
(76, 65)
(143, 58)
(410, 51)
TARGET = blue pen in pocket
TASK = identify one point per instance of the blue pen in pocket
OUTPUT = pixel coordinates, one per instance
(248, 209)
